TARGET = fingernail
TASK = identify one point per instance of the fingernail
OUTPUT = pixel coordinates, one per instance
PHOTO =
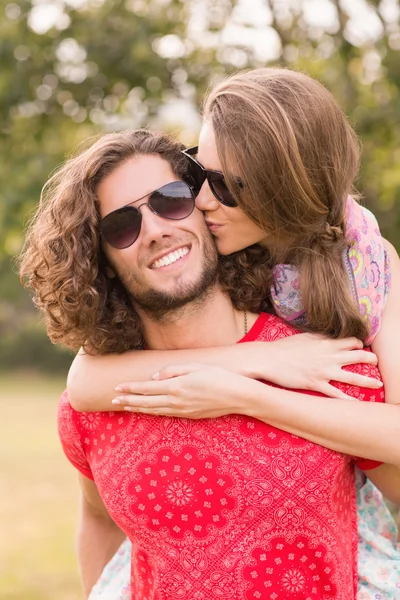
(379, 384)
(115, 401)
(155, 375)
(128, 408)
(118, 389)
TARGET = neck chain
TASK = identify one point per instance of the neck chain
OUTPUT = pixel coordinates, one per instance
(245, 322)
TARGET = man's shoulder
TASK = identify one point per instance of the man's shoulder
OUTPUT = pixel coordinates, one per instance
(70, 434)
(65, 410)
(64, 400)
(89, 424)
(269, 328)
(66, 416)
(363, 393)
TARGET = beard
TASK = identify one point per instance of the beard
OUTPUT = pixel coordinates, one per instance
(161, 305)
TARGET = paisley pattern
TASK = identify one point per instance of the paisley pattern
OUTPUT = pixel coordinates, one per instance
(368, 267)
(367, 264)
(224, 508)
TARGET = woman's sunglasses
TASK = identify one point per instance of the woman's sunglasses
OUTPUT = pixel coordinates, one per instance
(216, 179)
(121, 227)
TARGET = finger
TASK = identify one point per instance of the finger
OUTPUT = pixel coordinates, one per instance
(359, 380)
(351, 343)
(358, 356)
(143, 387)
(139, 403)
(156, 405)
(333, 392)
(170, 371)
(157, 411)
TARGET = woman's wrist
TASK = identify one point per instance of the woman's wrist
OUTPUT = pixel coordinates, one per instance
(253, 399)
(257, 362)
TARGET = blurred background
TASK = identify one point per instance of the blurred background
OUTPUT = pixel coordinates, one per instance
(74, 68)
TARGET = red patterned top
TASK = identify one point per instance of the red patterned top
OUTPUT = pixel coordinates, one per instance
(224, 508)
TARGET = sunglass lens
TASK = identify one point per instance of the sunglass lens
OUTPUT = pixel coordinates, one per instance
(173, 201)
(121, 227)
(197, 175)
(223, 194)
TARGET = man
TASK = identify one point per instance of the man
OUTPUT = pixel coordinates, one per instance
(215, 508)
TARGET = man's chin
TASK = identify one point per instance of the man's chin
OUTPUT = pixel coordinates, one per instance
(164, 291)
(158, 303)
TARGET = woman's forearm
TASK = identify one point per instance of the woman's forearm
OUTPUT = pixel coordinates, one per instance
(385, 345)
(387, 479)
(300, 361)
(368, 430)
(92, 379)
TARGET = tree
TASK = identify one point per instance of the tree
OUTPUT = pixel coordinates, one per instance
(73, 68)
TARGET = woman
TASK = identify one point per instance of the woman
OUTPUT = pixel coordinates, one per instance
(290, 160)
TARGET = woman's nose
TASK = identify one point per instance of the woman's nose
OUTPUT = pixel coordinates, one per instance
(205, 199)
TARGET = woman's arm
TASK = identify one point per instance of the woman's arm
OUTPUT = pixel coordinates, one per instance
(367, 429)
(386, 343)
(387, 480)
(304, 361)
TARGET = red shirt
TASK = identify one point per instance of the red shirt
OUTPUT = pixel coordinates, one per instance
(224, 508)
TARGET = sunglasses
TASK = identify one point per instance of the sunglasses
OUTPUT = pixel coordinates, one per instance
(121, 227)
(216, 179)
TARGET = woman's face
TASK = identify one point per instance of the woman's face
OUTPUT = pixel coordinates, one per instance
(231, 227)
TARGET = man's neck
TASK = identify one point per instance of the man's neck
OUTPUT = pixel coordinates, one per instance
(209, 321)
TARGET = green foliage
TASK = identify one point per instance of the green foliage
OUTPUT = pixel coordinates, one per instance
(72, 69)
(28, 347)
(59, 87)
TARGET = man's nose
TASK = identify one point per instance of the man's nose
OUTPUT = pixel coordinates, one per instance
(153, 227)
(205, 199)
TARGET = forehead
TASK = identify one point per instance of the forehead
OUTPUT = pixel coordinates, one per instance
(133, 179)
(207, 153)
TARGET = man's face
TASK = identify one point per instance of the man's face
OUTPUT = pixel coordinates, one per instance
(157, 285)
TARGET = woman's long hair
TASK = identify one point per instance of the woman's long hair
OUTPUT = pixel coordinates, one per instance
(288, 140)
(62, 261)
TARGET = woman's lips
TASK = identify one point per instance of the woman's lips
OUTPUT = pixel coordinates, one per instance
(213, 227)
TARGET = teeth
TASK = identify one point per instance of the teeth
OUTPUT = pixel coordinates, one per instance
(170, 258)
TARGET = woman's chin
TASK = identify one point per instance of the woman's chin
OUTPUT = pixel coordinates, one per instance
(234, 243)
(225, 248)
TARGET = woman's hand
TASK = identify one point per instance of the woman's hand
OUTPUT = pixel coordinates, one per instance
(304, 361)
(310, 361)
(194, 391)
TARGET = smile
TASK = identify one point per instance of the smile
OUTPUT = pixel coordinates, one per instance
(170, 258)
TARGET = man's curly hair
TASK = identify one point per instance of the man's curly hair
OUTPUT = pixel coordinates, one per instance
(62, 261)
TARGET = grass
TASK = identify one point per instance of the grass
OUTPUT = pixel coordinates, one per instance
(38, 495)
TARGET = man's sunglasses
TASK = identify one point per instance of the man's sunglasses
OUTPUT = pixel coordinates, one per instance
(216, 179)
(121, 227)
